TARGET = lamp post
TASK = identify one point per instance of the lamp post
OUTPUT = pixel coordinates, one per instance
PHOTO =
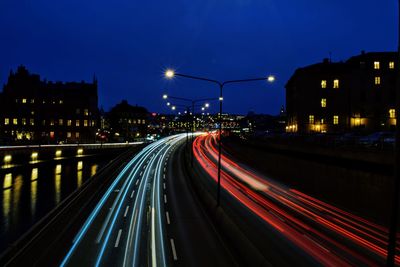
(391, 253)
(171, 74)
(193, 105)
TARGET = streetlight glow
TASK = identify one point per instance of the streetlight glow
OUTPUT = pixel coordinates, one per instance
(207, 105)
(173, 108)
(169, 74)
(221, 84)
(168, 104)
(271, 78)
(165, 96)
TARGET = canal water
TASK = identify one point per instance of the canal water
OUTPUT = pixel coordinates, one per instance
(29, 192)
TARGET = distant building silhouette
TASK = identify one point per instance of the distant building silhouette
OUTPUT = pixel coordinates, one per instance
(356, 95)
(37, 111)
(127, 122)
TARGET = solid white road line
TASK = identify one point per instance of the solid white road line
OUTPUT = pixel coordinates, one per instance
(126, 211)
(167, 215)
(118, 238)
(133, 192)
(165, 199)
(173, 249)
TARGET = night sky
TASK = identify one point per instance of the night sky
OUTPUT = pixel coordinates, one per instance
(128, 44)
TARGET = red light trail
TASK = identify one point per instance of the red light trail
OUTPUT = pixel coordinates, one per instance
(330, 235)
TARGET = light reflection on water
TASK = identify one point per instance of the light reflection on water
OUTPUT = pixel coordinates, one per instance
(6, 207)
(27, 194)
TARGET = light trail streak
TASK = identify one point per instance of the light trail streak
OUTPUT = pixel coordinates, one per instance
(149, 162)
(311, 224)
(98, 207)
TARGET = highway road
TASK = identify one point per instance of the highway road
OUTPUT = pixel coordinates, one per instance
(326, 234)
(148, 217)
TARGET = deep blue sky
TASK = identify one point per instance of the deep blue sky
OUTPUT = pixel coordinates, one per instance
(128, 43)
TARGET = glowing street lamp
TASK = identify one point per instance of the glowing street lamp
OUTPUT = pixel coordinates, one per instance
(271, 78)
(170, 74)
(207, 105)
(165, 96)
(173, 107)
(168, 104)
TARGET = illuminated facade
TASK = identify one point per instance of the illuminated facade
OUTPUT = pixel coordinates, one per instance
(355, 95)
(127, 122)
(36, 111)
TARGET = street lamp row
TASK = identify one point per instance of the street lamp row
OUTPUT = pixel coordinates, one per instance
(193, 105)
(171, 74)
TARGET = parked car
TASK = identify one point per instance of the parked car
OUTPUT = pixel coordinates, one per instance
(347, 139)
(378, 139)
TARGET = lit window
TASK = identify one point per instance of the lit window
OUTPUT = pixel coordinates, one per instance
(61, 102)
(322, 121)
(44, 122)
(52, 122)
(32, 122)
(335, 119)
(32, 112)
(391, 65)
(311, 119)
(69, 122)
(336, 83)
(323, 84)
(24, 100)
(69, 134)
(60, 122)
(392, 113)
(23, 121)
(6, 121)
(323, 102)
(86, 112)
(32, 101)
(77, 135)
(377, 65)
(85, 123)
(77, 123)
(377, 80)
(15, 121)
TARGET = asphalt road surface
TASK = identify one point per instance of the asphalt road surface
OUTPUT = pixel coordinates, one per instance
(149, 217)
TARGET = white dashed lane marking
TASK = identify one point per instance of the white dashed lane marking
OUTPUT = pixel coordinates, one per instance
(118, 238)
(173, 249)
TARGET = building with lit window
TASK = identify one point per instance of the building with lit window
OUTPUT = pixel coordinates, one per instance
(127, 122)
(38, 111)
(355, 95)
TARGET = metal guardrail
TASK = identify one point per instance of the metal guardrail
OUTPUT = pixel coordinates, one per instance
(88, 146)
